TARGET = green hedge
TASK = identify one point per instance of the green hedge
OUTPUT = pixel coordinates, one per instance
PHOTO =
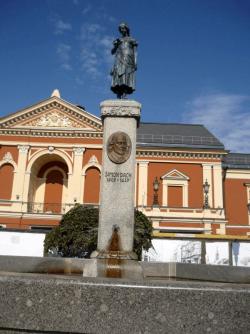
(76, 235)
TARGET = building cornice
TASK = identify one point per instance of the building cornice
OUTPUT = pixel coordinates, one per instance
(55, 133)
(238, 174)
(178, 154)
(144, 154)
(56, 145)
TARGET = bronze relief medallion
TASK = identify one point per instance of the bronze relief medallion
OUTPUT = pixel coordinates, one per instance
(119, 147)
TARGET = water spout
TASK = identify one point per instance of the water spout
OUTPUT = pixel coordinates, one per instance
(113, 268)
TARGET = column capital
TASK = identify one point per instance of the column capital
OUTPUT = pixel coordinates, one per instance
(23, 148)
(78, 150)
(142, 162)
(207, 165)
(121, 108)
(217, 166)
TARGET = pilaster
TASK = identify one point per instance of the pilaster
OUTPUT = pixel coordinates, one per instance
(143, 183)
(75, 181)
(218, 187)
(19, 177)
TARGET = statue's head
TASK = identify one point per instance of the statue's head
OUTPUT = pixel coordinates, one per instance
(124, 29)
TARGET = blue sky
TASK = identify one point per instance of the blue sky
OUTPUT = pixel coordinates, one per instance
(193, 58)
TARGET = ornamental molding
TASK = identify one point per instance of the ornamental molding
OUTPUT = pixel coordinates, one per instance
(93, 160)
(54, 119)
(62, 133)
(8, 159)
(51, 149)
(174, 174)
(187, 155)
(121, 111)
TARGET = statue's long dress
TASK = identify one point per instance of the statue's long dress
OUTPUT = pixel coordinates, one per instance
(123, 72)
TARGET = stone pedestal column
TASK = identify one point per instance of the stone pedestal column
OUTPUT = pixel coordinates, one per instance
(120, 120)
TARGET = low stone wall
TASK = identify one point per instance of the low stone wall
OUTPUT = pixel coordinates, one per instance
(42, 265)
(200, 272)
(38, 303)
(150, 270)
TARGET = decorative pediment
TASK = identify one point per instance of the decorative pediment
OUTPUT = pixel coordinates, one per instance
(53, 119)
(93, 160)
(174, 174)
(53, 113)
(8, 159)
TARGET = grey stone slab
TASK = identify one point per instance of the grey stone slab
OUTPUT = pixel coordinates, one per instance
(150, 270)
(30, 264)
(200, 272)
(43, 303)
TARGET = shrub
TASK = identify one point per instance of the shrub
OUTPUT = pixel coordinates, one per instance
(76, 235)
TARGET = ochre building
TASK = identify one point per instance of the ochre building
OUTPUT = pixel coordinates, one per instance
(51, 158)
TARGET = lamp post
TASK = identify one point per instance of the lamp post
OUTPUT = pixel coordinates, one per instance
(156, 185)
(206, 187)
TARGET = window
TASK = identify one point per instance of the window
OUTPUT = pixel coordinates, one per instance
(175, 189)
(6, 181)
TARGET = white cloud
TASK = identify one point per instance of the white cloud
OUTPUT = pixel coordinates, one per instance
(89, 62)
(61, 26)
(92, 54)
(226, 116)
(86, 9)
(63, 52)
(95, 46)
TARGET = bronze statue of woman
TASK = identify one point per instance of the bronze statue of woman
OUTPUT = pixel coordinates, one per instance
(123, 71)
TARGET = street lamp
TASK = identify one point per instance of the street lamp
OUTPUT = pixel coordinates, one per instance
(248, 207)
(206, 187)
(156, 185)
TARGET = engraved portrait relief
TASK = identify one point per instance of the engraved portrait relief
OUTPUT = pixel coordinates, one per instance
(119, 147)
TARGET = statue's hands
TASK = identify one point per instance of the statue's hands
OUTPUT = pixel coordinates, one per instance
(116, 42)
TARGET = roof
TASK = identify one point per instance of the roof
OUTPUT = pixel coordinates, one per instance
(177, 135)
(237, 161)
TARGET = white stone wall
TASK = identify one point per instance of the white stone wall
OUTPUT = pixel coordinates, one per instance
(21, 243)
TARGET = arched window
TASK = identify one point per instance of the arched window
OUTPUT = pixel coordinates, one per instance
(92, 186)
(6, 181)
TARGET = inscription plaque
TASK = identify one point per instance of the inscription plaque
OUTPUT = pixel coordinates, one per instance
(118, 177)
(119, 147)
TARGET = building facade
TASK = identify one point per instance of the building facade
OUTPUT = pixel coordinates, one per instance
(51, 158)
